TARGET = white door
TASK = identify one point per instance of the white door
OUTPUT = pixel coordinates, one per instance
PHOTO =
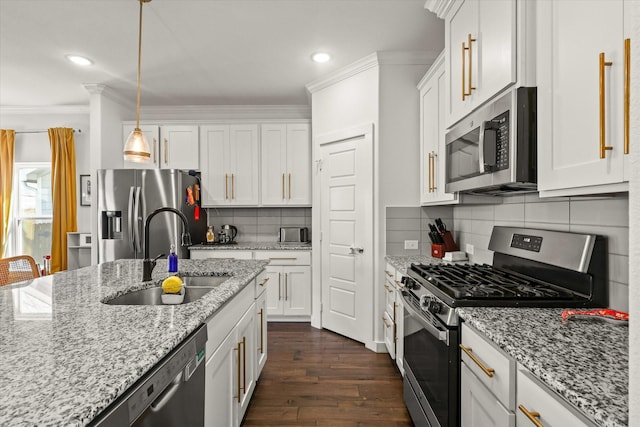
(180, 147)
(298, 164)
(347, 228)
(243, 180)
(297, 290)
(274, 290)
(215, 164)
(273, 140)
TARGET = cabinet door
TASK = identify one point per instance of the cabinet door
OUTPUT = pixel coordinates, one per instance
(480, 408)
(274, 290)
(215, 164)
(400, 333)
(261, 333)
(432, 149)
(246, 335)
(297, 291)
(152, 133)
(242, 178)
(273, 141)
(298, 178)
(180, 148)
(221, 385)
(389, 332)
(569, 87)
(462, 24)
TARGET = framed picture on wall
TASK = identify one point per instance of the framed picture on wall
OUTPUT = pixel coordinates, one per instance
(85, 190)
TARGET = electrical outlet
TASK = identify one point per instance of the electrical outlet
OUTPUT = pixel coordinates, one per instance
(469, 249)
(411, 244)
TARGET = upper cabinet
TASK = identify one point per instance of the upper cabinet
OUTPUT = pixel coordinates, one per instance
(487, 45)
(432, 89)
(286, 164)
(172, 147)
(583, 97)
(229, 165)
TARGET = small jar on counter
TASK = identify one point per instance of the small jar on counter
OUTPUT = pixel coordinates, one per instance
(211, 236)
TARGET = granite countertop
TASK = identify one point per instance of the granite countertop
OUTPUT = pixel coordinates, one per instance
(584, 361)
(402, 262)
(254, 246)
(65, 356)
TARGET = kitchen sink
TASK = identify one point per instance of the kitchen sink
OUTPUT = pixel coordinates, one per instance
(196, 287)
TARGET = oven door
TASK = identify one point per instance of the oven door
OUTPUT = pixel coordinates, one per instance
(431, 362)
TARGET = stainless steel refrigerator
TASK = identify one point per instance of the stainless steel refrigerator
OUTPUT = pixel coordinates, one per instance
(127, 196)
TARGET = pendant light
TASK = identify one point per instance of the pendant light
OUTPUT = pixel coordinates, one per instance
(137, 148)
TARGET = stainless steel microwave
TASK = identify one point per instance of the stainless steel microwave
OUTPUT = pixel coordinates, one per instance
(494, 149)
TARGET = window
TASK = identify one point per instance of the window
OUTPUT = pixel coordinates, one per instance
(31, 210)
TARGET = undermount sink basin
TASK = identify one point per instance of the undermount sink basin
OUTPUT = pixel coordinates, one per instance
(196, 288)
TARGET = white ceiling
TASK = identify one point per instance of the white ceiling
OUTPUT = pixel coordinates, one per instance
(197, 52)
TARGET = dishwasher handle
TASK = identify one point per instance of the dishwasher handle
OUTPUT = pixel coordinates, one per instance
(167, 393)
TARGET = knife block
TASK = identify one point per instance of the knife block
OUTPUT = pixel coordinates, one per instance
(449, 243)
(437, 250)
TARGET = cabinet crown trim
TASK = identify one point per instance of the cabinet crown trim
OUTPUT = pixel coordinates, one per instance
(440, 7)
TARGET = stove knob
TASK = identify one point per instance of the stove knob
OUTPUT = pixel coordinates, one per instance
(434, 307)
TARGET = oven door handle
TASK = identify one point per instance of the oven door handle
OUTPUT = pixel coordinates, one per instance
(419, 317)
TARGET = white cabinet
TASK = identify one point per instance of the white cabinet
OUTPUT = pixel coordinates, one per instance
(220, 254)
(479, 407)
(481, 53)
(230, 165)
(179, 147)
(433, 103)
(172, 146)
(537, 402)
(286, 164)
(393, 316)
(261, 326)
(289, 285)
(232, 358)
(488, 382)
(581, 97)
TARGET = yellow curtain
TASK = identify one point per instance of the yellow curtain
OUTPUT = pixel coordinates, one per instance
(63, 194)
(7, 144)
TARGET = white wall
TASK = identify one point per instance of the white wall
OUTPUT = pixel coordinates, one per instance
(34, 147)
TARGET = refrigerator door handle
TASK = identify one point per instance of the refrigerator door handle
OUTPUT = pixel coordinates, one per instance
(130, 217)
(138, 218)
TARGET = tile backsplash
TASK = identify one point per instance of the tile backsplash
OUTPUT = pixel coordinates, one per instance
(472, 224)
(259, 224)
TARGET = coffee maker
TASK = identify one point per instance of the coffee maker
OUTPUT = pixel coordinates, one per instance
(227, 234)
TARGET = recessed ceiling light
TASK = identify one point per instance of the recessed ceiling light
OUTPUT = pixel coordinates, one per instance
(321, 57)
(79, 60)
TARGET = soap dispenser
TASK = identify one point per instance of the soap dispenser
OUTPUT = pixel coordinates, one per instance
(172, 260)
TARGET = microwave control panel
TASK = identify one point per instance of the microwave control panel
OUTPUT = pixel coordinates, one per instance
(496, 155)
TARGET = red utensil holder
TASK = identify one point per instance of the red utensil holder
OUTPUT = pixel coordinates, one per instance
(437, 250)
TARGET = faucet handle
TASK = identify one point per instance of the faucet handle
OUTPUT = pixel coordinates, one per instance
(186, 239)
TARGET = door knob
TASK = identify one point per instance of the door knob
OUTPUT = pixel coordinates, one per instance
(354, 251)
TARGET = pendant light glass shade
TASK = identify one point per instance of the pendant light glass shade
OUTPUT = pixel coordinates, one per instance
(137, 148)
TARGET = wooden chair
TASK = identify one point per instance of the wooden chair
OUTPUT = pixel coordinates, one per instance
(17, 269)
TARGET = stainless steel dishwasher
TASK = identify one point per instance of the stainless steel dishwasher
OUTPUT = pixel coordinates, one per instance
(170, 394)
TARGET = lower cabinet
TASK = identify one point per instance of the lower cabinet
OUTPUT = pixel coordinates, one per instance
(232, 359)
(497, 391)
(261, 322)
(393, 316)
(480, 408)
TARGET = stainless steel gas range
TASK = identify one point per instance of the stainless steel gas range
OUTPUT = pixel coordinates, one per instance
(531, 268)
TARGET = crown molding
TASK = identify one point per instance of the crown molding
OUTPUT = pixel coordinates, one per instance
(107, 92)
(370, 61)
(193, 113)
(440, 8)
(49, 109)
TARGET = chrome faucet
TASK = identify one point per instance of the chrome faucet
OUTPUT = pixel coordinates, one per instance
(149, 264)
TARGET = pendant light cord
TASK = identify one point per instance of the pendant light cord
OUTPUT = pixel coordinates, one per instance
(139, 62)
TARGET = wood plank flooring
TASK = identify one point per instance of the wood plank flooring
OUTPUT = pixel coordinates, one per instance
(318, 378)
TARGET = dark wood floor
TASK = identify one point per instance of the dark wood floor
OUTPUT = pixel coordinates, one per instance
(317, 378)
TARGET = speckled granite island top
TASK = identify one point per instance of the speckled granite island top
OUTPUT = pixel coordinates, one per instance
(253, 246)
(65, 356)
(586, 361)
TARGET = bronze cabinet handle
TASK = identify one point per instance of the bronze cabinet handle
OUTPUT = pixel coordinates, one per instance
(166, 152)
(488, 371)
(289, 186)
(603, 146)
(627, 90)
(260, 313)
(533, 416)
(226, 186)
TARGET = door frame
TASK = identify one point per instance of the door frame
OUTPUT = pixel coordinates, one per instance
(365, 131)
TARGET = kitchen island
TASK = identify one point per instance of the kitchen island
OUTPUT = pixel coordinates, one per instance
(585, 361)
(65, 356)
